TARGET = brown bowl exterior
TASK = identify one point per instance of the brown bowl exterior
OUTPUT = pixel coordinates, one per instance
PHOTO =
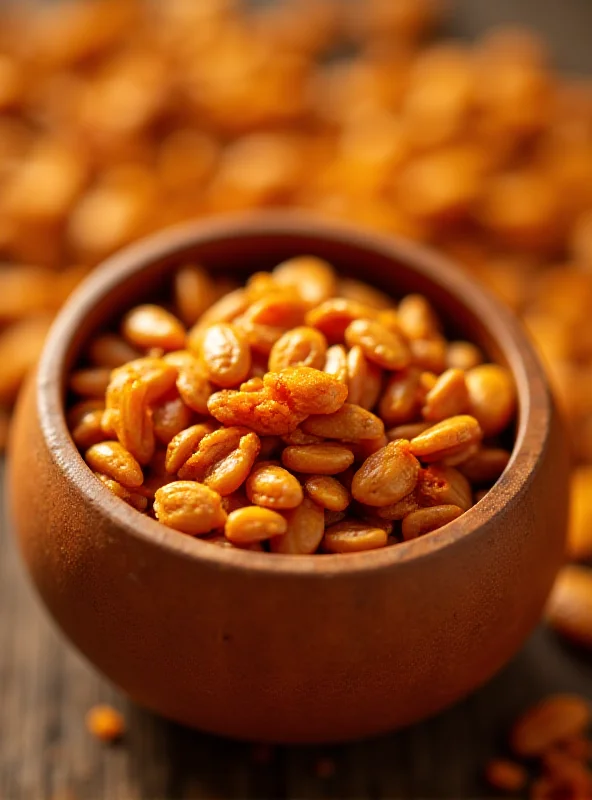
(280, 648)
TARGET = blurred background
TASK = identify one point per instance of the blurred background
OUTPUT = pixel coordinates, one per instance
(464, 124)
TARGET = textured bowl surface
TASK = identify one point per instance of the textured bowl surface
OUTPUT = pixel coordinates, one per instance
(281, 648)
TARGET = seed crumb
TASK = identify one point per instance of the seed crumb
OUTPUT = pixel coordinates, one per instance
(105, 723)
(507, 776)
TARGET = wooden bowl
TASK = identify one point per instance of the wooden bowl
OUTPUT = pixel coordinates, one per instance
(274, 647)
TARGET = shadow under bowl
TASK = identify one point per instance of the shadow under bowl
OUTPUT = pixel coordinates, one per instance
(288, 648)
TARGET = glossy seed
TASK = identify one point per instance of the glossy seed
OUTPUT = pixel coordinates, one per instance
(351, 536)
(327, 458)
(153, 326)
(306, 526)
(327, 492)
(379, 344)
(386, 476)
(302, 346)
(253, 524)
(447, 438)
(492, 397)
(113, 460)
(350, 423)
(225, 353)
(273, 486)
(425, 520)
(189, 507)
(184, 444)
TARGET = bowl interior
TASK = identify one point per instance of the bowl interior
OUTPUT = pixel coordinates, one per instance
(241, 246)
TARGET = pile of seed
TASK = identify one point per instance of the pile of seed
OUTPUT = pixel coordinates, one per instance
(299, 413)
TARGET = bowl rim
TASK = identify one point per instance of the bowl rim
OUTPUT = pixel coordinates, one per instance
(534, 397)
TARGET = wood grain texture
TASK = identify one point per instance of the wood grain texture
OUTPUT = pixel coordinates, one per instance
(45, 688)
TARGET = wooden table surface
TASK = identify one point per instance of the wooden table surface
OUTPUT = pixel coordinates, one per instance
(46, 688)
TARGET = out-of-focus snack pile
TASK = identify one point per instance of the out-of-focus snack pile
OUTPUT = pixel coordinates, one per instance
(551, 740)
(119, 117)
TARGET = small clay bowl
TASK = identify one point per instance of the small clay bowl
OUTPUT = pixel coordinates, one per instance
(288, 648)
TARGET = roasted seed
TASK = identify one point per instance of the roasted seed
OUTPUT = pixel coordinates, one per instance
(273, 486)
(447, 439)
(492, 397)
(184, 444)
(113, 460)
(225, 353)
(189, 507)
(303, 346)
(386, 476)
(425, 520)
(327, 458)
(306, 526)
(379, 344)
(153, 326)
(447, 398)
(253, 524)
(327, 492)
(352, 536)
(350, 423)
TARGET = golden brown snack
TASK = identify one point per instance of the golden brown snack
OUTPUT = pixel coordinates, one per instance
(353, 537)
(507, 776)
(451, 438)
(152, 326)
(554, 719)
(386, 476)
(273, 486)
(245, 526)
(289, 448)
(492, 397)
(113, 460)
(306, 526)
(569, 608)
(448, 396)
(223, 459)
(105, 723)
(224, 351)
(327, 458)
(299, 347)
(327, 492)
(189, 507)
(424, 520)
(350, 423)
